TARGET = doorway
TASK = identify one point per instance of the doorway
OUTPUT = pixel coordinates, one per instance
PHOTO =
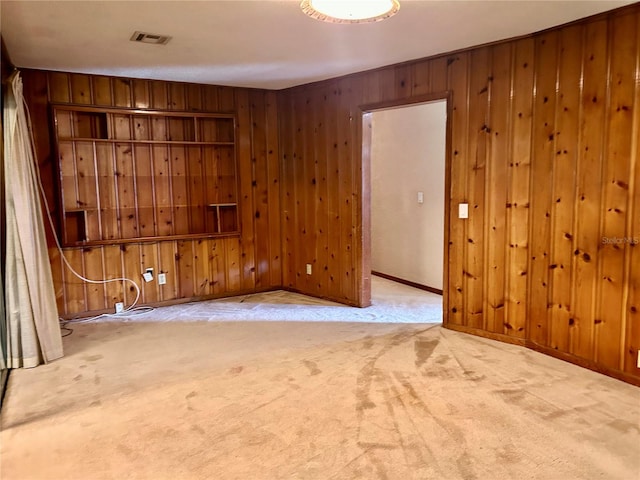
(405, 179)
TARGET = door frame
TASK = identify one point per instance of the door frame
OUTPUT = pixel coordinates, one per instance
(365, 134)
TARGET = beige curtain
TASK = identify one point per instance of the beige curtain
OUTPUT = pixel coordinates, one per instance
(33, 329)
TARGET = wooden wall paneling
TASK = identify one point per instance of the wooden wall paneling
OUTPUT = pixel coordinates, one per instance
(178, 155)
(145, 190)
(81, 91)
(149, 259)
(439, 74)
(202, 282)
(177, 96)
(622, 67)
(210, 98)
(126, 190)
(194, 97)
(295, 194)
(286, 218)
(162, 183)
(479, 137)
(518, 197)
(93, 268)
(233, 266)
(141, 94)
(334, 281)
(227, 99)
(308, 181)
(57, 274)
(59, 87)
(631, 337)
(543, 152)
(167, 256)
(197, 182)
(112, 269)
(403, 89)
(496, 186)
(273, 189)
(459, 80)
(567, 149)
(217, 266)
(159, 95)
(346, 188)
(121, 88)
(75, 289)
(105, 170)
(101, 88)
(87, 184)
(319, 180)
(588, 191)
(386, 87)
(260, 186)
(131, 266)
(185, 268)
(245, 194)
(421, 78)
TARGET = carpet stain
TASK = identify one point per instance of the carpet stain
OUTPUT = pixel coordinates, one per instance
(423, 350)
(312, 366)
(198, 428)
(95, 403)
(191, 395)
(624, 427)
(236, 370)
(512, 396)
(93, 358)
(442, 359)
(77, 378)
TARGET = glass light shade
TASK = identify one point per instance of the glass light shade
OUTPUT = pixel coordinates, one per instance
(350, 11)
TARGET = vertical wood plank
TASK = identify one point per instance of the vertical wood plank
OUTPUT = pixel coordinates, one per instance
(246, 179)
(80, 89)
(496, 190)
(479, 134)
(459, 78)
(609, 319)
(121, 88)
(567, 149)
(541, 180)
(519, 194)
(588, 192)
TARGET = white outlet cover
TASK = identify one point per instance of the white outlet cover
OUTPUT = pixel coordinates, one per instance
(162, 278)
(148, 276)
(308, 269)
(463, 210)
(119, 307)
(420, 197)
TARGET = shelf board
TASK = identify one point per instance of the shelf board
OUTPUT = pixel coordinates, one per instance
(148, 142)
(152, 239)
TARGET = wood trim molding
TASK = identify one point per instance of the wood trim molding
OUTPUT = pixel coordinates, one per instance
(407, 282)
(483, 333)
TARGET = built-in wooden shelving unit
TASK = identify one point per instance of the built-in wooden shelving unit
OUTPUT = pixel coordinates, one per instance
(135, 175)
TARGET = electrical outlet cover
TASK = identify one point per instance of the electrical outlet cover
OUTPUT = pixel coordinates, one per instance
(119, 307)
(162, 278)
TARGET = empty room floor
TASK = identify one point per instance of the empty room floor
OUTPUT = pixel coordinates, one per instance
(285, 399)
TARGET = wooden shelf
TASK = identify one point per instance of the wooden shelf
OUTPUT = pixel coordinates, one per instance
(151, 142)
(131, 175)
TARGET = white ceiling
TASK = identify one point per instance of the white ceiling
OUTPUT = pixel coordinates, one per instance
(260, 43)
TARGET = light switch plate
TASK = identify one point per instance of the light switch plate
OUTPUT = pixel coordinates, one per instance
(162, 278)
(148, 276)
(420, 197)
(463, 210)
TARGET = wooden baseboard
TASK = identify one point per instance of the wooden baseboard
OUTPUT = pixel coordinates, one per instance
(342, 301)
(567, 357)
(501, 337)
(582, 362)
(407, 282)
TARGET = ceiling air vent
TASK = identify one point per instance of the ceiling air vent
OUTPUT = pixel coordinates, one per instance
(154, 38)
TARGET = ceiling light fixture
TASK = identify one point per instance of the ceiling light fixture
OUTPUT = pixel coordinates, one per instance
(350, 11)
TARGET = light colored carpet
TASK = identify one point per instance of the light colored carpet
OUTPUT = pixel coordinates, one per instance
(295, 400)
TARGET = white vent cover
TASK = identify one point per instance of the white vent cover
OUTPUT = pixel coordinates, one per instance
(154, 38)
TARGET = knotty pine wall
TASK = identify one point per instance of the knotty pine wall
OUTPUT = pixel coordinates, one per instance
(196, 269)
(543, 146)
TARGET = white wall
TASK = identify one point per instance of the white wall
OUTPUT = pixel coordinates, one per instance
(407, 157)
